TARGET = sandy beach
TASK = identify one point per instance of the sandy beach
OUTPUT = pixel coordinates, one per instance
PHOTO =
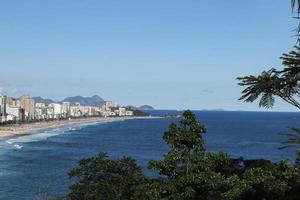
(7, 131)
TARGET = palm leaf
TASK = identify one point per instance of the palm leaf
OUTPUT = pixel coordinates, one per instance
(285, 147)
(293, 138)
(295, 5)
(266, 85)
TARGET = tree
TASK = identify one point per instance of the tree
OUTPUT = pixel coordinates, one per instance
(187, 147)
(185, 168)
(100, 178)
(284, 84)
(188, 171)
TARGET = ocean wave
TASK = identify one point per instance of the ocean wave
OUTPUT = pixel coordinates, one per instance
(39, 136)
(18, 146)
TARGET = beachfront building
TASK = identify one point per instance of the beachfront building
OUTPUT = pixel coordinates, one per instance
(107, 113)
(11, 101)
(75, 110)
(2, 118)
(110, 104)
(65, 109)
(84, 110)
(9, 110)
(28, 104)
(25, 108)
(50, 113)
(122, 111)
(15, 113)
(111, 108)
(89, 110)
(103, 108)
(3, 108)
(40, 111)
(55, 109)
(129, 113)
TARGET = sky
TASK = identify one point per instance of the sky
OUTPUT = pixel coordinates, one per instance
(170, 54)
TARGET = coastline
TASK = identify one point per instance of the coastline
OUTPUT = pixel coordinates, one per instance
(9, 131)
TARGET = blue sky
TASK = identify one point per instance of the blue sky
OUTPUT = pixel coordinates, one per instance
(169, 54)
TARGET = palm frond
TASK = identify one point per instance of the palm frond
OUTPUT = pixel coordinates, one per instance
(296, 130)
(266, 85)
(295, 5)
(293, 138)
(288, 135)
(285, 147)
(267, 100)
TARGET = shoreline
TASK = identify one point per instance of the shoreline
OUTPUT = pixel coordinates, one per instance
(10, 131)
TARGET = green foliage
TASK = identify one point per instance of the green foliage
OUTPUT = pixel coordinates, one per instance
(139, 113)
(283, 84)
(296, 5)
(265, 85)
(187, 148)
(101, 178)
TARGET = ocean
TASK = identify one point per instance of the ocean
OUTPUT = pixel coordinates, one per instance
(39, 162)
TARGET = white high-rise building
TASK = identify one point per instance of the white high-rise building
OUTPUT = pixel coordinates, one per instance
(14, 113)
(55, 110)
(3, 108)
(110, 104)
(65, 109)
(122, 111)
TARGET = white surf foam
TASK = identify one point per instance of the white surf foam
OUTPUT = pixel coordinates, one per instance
(18, 146)
(39, 136)
(18, 141)
(8, 141)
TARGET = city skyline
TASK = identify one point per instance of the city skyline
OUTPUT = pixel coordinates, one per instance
(170, 55)
(27, 108)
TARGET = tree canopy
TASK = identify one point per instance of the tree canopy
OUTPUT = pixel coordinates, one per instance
(100, 178)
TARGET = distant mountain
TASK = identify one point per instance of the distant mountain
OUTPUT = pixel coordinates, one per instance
(85, 101)
(42, 100)
(145, 107)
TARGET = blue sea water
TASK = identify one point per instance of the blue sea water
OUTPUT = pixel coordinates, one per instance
(40, 162)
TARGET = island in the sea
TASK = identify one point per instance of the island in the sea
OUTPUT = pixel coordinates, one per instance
(145, 107)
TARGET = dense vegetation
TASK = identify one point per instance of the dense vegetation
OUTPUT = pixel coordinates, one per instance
(188, 171)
